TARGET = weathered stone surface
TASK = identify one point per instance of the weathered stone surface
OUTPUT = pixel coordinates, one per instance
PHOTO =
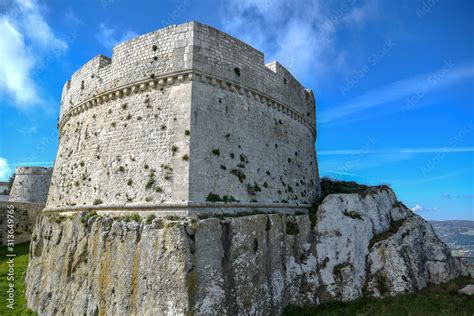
(23, 215)
(256, 264)
(467, 290)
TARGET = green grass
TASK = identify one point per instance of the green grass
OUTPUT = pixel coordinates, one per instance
(440, 299)
(21, 263)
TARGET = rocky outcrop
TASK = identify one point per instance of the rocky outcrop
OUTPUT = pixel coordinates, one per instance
(357, 244)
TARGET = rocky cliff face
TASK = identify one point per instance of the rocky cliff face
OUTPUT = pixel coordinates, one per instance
(356, 244)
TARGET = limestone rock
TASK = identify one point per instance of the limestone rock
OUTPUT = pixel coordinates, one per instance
(361, 244)
(467, 290)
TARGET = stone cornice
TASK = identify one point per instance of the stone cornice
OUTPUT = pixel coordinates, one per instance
(181, 77)
(174, 206)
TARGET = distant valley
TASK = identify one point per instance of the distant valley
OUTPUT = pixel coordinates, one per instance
(458, 235)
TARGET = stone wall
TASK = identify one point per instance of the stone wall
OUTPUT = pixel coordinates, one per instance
(24, 218)
(178, 114)
(244, 148)
(31, 184)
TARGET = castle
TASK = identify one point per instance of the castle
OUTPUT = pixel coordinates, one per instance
(183, 120)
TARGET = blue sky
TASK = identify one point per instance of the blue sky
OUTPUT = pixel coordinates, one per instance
(393, 80)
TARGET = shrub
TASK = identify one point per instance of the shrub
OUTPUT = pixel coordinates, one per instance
(159, 190)
(185, 157)
(135, 217)
(174, 149)
(216, 152)
(187, 132)
(88, 215)
(212, 197)
(393, 229)
(151, 180)
(97, 202)
(253, 189)
(352, 214)
(291, 228)
(130, 182)
(228, 199)
(163, 127)
(150, 218)
(239, 174)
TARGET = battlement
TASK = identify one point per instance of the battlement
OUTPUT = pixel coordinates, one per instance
(33, 171)
(179, 48)
(145, 120)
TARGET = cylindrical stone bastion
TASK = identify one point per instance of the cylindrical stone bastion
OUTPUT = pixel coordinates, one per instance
(31, 184)
(185, 119)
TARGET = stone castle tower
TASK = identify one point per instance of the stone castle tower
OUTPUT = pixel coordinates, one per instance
(31, 184)
(185, 119)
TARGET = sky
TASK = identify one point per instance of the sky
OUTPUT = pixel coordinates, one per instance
(393, 80)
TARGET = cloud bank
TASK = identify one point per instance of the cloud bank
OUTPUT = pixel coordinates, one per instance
(4, 169)
(26, 39)
(299, 34)
(408, 93)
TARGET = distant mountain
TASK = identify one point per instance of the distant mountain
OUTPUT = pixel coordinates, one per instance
(458, 235)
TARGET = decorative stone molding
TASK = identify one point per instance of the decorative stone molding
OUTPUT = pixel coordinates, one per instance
(176, 206)
(183, 77)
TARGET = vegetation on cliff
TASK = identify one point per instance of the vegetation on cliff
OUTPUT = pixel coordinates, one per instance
(435, 299)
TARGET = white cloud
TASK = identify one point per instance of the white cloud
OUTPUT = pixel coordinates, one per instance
(4, 169)
(109, 36)
(25, 40)
(27, 130)
(299, 34)
(419, 208)
(408, 93)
